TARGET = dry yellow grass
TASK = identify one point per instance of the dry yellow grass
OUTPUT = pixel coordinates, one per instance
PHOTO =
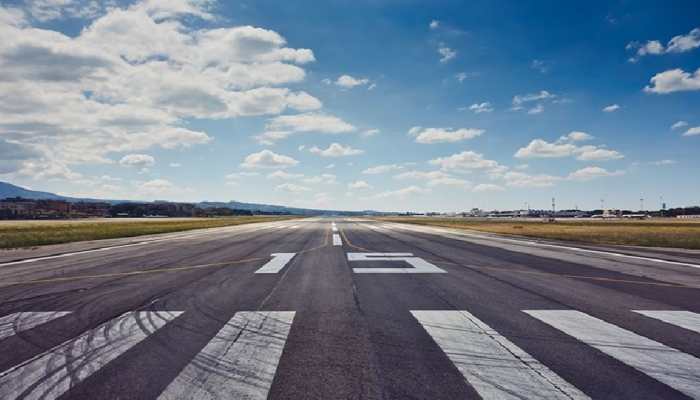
(15, 234)
(657, 233)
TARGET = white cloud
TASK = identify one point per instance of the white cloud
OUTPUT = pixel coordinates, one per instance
(349, 82)
(577, 136)
(279, 174)
(446, 53)
(443, 135)
(611, 108)
(133, 76)
(137, 160)
(268, 159)
(694, 131)
(370, 132)
(523, 180)
(434, 24)
(359, 185)
(537, 109)
(487, 187)
(679, 124)
(539, 148)
(175, 165)
(564, 147)
(434, 178)
(465, 161)
(330, 166)
(157, 187)
(284, 126)
(403, 193)
(292, 188)
(589, 173)
(336, 150)
(663, 162)
(674, 80)
(677, 44)
(520, 100)
(382, 169)
(479, 108)
(327, 179)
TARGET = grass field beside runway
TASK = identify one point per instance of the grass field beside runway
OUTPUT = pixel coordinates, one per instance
(658, 233)
(14, 234)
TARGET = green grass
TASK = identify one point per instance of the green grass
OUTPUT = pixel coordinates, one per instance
(655, 233)
(16, 234)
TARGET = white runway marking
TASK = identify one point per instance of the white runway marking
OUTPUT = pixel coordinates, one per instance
(419, 265)
(547, 245)
(493, 365)
(279, 260)
(22, 321)
(238, 363)
(676, 369)
(334, 227)
(49, 375)
(336, 240)
(685, 319)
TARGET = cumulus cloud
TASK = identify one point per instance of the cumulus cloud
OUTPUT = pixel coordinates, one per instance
(133, 76)
(268, 159)
(327, 179)
(382, 169)
(565, 147)
(479, 108)
(694, 131)
(349, 82)
(487, 187)
(434, 24)
(677, 44)
(523, 180)
(137, 160)
(283, 126)
(292, 188)
(336, 150)
(590, 173)
(674, 80)
(469, 161)
(523, 101)
(443, 135)
(359, 185)
(434, 178)
(679, 124)
(611, 108)
(403, 192)
(283, 175)
(446, 53)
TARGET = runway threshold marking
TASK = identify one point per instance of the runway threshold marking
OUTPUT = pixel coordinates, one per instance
(418, 265)
(670, 366)
(239, 362)
(685, 319)
(496, 367)
(22, 321)
(50, 374)
(275, 265)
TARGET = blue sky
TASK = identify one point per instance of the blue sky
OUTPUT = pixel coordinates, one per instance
(381, 105)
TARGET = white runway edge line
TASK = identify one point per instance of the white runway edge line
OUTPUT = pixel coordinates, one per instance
(336, 240)
(51, 374)
(418, 265)
(493, 365)
(279, 261)
(239, 362)
(676, 369)
(22, 321)
(557, 246)
(685, 319)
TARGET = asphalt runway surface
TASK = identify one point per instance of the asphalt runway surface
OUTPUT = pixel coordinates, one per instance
(328, 308)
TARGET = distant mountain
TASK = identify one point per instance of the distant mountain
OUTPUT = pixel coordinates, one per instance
(10, 190)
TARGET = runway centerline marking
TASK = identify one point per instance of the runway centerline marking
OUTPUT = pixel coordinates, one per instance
(336, 240)
(279, 261)
(419, 265)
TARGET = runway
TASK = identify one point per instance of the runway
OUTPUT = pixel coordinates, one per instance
(333, 308)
